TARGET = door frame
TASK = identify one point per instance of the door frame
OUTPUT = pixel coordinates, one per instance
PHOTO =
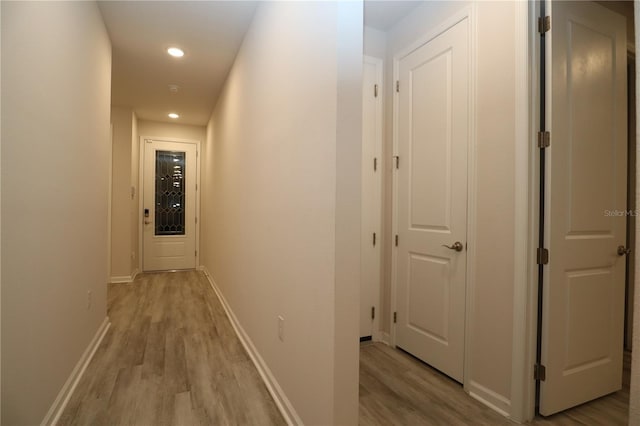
(525, 294)
(525, 317)
(140, 215)
(469, 13)
(376, 335)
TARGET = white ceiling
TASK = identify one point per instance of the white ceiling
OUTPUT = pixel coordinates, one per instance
(210, 33)
(382, 15)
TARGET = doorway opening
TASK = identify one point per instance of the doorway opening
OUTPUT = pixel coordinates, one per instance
(170, 176)
(587, 170)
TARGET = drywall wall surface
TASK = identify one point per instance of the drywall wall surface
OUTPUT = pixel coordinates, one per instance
(490, 348)
(491, 323)
(634, 393)
(271, 209)
(171, 130)
(121, 192)
(375, 43)
(56, 85)
(348, 212)
(136, 215)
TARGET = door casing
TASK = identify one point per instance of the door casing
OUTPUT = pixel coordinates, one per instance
(525, 318)
(141, 198)
(376, 184)
(469, 13)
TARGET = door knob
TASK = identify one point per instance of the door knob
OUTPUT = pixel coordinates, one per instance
(622, 250)
(457, 246)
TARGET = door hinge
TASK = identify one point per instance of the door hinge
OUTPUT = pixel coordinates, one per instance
(197, 154)
(373, 312)
(544, 24)
(196, 220)
(196, 253)
(375, 90)
(539, 372)
(398, 86)
(395, 317)
(375, 163)
(396, 240)
(397, 158)
(542, 257)
(374, 239)
(544, 139)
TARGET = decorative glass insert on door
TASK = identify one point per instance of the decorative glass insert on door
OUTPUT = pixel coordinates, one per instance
(170, 205)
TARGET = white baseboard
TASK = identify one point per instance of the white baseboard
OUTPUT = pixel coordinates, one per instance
(121, 279)
(382, 337)
(54, 413)
(490, 398)
(284, 405)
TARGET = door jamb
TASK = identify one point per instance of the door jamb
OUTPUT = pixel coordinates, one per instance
(468, 12)
(527, 49)
(109, 202)
(376, 335)
(141, 193)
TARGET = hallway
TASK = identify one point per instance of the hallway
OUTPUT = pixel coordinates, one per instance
(170, 357)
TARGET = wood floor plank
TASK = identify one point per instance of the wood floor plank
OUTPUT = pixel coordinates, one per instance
(153, 362)
(170, 357)
(183, 412)
(256, 397)
(396, 388)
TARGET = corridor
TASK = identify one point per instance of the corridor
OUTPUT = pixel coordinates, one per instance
(170, 357)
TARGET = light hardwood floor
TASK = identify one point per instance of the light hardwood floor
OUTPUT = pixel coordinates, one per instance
(397, 389)
(170, 357)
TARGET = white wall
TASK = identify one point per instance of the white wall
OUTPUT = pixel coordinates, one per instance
(121, 178)
(490, 349)
(171, 130)
(348, 213)
(55, 146)
(634, 394)
(375, 43)
(134, 204)
(281, 191)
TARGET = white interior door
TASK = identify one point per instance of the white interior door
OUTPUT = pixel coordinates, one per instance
(433, 136)
(169, 205)
(583, 303)
(371, 195)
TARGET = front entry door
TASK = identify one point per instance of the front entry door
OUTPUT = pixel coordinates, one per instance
(583, 306)
(433, 137)
(169, 205)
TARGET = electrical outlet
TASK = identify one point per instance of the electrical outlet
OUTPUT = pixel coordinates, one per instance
(89, 299)
(280, 328)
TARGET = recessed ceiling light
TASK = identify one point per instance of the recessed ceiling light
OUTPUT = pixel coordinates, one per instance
(175, 52)
(173, 115)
